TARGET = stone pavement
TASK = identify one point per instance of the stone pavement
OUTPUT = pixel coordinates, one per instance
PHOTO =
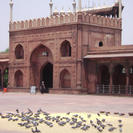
(54, 103)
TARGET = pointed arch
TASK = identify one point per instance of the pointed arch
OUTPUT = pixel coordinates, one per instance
(39, 57)
(18, 78)
(40, 50)
(65, 49)
(19, 52)
(65, 79)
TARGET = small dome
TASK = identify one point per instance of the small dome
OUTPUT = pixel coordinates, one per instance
(55, 12)
(62, 11)
(69, 11)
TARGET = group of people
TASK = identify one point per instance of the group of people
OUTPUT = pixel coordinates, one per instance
(43, 88)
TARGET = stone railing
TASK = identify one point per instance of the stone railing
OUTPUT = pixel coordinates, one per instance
(66, 19)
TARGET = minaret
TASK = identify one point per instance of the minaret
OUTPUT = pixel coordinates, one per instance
(74, 6)
(80, 5)
(11, 10)
(120, 8)
(51, 7)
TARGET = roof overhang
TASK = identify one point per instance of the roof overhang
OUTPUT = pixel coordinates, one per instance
(4, 60)
(118, 55)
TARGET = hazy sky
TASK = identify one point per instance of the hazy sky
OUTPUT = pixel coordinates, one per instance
(28, 9)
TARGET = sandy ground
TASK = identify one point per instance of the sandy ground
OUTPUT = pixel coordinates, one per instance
(9, 102)
(12, 127)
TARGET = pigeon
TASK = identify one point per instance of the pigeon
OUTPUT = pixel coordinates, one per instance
(68, 113)
(17, 110)
(120, 121)
(61, 123)
(37, 130)
(120, 130)
(120, 125)
(99, 129)
(102, 112)
(111, 129)
(98, 114)
(89, 115)
(103, 120)
(9, 119)
(121, 114)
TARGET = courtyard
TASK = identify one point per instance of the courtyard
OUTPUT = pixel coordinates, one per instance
(55, 103)
(61, 104)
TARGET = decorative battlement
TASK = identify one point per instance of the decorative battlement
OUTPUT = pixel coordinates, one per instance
(69, 18)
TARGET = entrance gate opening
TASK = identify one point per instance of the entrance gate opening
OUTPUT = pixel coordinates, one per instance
(47, 75)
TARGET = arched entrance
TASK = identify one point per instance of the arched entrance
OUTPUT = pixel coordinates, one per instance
(47, 75)
(41, 67)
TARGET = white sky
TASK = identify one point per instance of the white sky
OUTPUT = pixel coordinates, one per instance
(28, 9)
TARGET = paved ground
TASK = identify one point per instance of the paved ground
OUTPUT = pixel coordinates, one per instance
(63, 103)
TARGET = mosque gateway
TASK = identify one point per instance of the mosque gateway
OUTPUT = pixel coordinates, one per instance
(72, 52)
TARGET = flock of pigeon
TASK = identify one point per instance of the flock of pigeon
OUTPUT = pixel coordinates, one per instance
(31, 120)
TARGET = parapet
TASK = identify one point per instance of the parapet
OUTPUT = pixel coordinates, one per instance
(69, 18)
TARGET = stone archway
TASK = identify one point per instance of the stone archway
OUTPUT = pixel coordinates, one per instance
(40, 56)
(46, 74)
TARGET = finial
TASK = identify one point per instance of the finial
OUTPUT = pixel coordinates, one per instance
(51, 7)
(74, 6)
(11, 10)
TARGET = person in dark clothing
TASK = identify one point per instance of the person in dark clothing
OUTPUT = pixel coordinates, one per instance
(42, 87)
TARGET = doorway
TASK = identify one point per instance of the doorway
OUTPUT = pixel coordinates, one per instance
(47, 75)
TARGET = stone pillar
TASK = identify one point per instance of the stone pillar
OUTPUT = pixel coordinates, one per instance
(2, 78)
(79, 58)
(127, 80)
(111, 78)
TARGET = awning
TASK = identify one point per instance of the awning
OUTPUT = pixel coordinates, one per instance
(4, 60)
(93, 56)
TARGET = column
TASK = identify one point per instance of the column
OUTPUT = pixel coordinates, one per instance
(111, 78)
(127, 80)
(2, 78)
(79, 58)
